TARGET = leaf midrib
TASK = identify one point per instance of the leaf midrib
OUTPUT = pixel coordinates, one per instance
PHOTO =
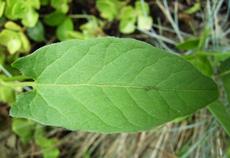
(147, 88)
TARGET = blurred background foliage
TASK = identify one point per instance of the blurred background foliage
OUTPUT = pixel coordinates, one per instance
(198, 30)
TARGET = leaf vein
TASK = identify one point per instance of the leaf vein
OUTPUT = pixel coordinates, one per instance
(91, 112)
(139, 106)
(112, 103)
(46, 68)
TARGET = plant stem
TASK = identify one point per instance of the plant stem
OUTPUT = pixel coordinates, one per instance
(81, 16)
(15, 78)
(225, 73)
(5, 71)
(17, 84)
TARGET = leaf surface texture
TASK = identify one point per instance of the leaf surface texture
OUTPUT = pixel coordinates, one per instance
(110, 85)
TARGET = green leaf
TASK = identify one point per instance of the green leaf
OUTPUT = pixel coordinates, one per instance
(6, 95)
(75, 35)
(14, 39)
(144, 22)
(37, 32)
(127, 27)
(30, 18)
(2, 7)
(12, 26)
(127, 20)
(54, 18)
(93, 28)
(109, 85)
(222, 114)
(15, 9)
(25, 47)
(221, 56)
(109, 9)
(2, 56)
(201, 63)
(189, 44)
(24, 129)
(225, 75)
(203, 37)
(195, 8)
(220, 111)
(24, 10)
(60, 5)
(48, 148)
(34, 3)
(228, 151)
(225, 66)
(45, 2)
(64, 29)
(142, 8)
(11, 40)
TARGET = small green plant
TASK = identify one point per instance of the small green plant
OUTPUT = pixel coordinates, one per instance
(25, 10)
(130, 17)
(112, 85)
(13, 38)
(27, 130)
